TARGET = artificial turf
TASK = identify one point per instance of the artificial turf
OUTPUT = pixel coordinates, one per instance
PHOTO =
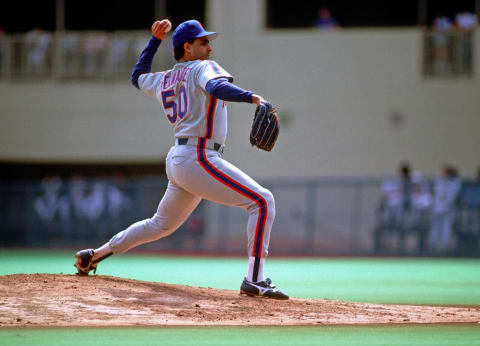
(418, 335)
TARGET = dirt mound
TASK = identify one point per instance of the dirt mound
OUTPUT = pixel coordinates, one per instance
(69, 300)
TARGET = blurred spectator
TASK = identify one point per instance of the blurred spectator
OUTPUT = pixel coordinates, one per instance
(94, 204)
(78, 195)
(53, 210)
(50, 203)
(324, 20)
(470, 194)
(407, 198)
(445, 191)
(138, 45)
(404, 209)
(441, 23)
(70, 53)
(467, 219)
(421, 198)
(38, 43)
(476, 183)
(117, 56)
(396, 195)
(465, 23)
(97, 204)
(442, 62)
(94, 53)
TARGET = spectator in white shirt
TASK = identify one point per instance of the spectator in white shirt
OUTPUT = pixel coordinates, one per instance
(445, 191)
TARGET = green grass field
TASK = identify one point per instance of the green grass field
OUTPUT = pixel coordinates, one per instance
(377, 280)
(465, 335)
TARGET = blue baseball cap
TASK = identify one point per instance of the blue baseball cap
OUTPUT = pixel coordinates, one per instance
(190, 29)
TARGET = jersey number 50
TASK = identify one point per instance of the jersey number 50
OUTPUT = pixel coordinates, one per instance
(175, 105)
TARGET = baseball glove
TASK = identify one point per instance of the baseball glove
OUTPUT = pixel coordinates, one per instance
(265, 127)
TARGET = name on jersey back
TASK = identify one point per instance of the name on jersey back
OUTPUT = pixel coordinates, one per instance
(174, 77)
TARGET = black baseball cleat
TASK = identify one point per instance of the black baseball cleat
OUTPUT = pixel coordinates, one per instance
(263, 288)
(84, 263)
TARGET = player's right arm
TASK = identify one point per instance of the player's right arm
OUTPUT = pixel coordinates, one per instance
(144, 63)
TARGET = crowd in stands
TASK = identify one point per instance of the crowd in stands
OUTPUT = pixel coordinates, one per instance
(452, 42)
(439, 212)
(40, 53)
(77, 209)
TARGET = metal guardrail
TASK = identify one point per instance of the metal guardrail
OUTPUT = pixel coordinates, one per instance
(331, 216)
(448, 53)
(75, 55)
(112, 55)
(328, 216)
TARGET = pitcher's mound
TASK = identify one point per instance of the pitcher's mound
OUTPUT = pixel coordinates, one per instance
(70, 300)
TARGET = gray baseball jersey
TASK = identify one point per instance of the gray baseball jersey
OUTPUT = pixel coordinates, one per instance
(186, 103)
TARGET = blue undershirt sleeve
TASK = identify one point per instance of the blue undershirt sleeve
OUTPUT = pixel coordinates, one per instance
(222, 89)
(144, 63)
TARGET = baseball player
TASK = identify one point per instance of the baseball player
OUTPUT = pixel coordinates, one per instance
(194, 96)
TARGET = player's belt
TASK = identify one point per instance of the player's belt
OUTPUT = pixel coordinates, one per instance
(194, 141)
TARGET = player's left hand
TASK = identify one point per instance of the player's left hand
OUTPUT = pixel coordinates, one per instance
(257, 99)
(160, 28)
(265, 127)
